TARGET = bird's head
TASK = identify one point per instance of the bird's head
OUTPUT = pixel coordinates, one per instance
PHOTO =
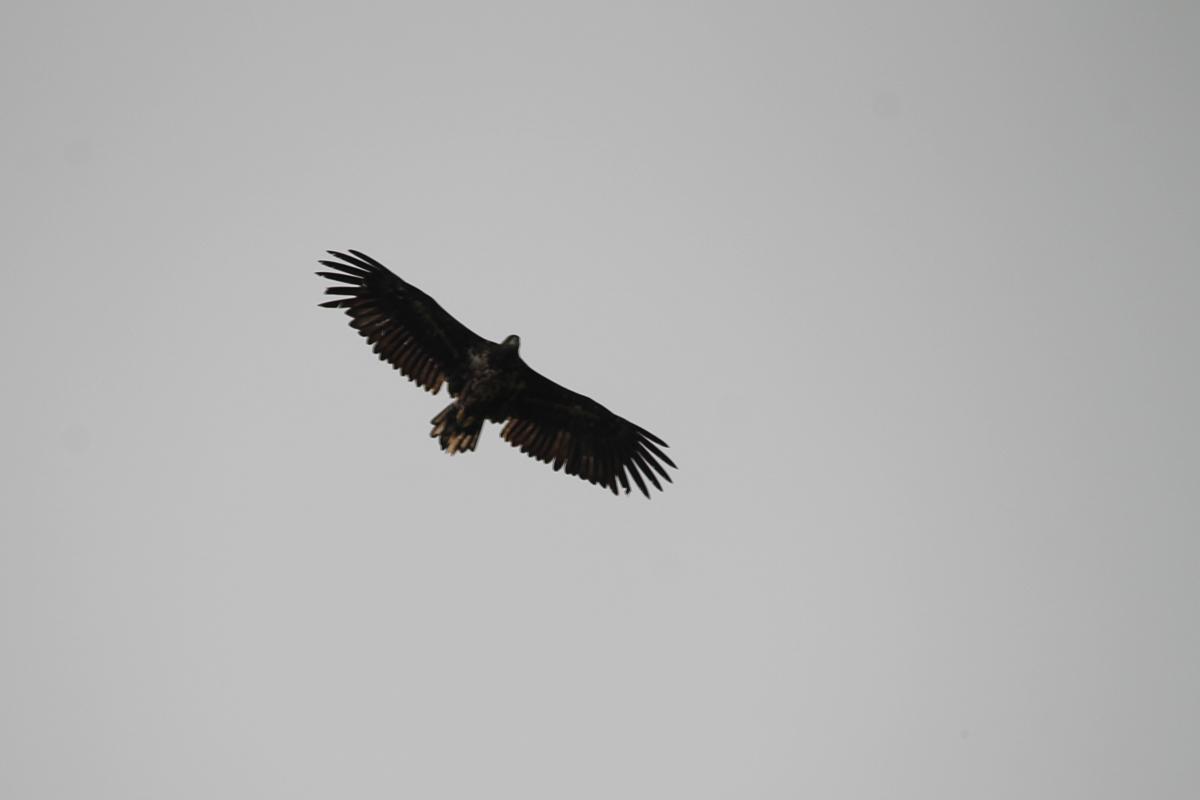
(511, 342)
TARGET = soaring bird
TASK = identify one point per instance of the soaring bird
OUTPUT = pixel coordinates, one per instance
(489, 382)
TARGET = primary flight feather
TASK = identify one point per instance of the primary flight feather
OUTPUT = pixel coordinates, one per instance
(490, 382)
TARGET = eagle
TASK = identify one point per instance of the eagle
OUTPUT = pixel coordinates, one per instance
(489, 382)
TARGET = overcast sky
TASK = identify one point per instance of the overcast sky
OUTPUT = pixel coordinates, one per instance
(911, 289)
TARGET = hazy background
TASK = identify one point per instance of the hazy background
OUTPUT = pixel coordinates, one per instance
(911, 291)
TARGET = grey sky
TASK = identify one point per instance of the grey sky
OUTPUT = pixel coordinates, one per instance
(910, 289)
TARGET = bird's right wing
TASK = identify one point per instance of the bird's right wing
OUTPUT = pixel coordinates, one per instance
(581, 437)
(406, 327)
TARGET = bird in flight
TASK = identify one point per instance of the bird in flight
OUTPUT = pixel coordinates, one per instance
(489, 382)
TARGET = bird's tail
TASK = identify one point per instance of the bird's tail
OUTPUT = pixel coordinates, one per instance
(456, 432)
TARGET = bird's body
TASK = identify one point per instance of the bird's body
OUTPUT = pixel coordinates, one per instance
(489, 386)
(492, 381)
(489, 381)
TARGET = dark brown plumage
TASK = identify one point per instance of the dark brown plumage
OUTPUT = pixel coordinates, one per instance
(490, 382)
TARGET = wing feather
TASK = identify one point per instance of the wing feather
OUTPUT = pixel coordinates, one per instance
(577, 435)
(404, 326)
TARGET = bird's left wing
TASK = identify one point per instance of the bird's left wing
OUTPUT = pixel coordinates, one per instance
(582, 437)
(405, 326)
